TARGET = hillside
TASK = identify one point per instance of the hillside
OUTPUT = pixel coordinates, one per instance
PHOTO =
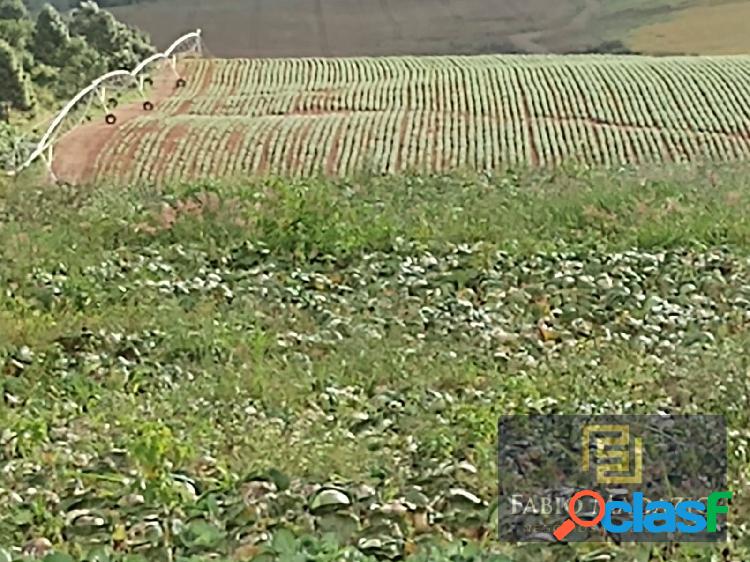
(388, 115)
(716, 29)
(296, 28)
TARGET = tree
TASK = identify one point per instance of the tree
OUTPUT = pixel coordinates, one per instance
(15, 25)
(98, 27)
(16, 32)
(123, 46)
(50, 37)
(82, 65)
(11, 151)
(13, 10)
(15, 87)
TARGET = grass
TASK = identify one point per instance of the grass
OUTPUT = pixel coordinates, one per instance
(183, 367)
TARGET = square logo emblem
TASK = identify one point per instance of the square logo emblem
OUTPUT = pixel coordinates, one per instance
(624, 478)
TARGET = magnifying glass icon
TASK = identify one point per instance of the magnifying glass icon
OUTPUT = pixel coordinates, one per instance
(569, 524)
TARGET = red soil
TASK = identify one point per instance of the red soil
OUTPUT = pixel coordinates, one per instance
(76, 152)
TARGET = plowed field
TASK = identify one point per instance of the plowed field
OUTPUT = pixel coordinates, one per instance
(428, 114)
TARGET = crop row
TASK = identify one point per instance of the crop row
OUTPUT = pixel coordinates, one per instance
(686, 94)
(386, 143)
(339, 116)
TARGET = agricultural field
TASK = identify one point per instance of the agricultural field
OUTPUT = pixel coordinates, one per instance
(304, 28)
(423, 114)
(716, 29)
(312, 370)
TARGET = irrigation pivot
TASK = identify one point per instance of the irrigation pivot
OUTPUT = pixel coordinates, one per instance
(77, 109)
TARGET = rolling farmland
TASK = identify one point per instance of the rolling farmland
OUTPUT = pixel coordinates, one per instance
(283, 366)
(427, 114)
(342, 28)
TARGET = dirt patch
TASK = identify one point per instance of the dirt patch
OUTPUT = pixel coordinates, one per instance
(76, 152)
(294, 160)
(208, 77)
(529, 127)
(332, 159)
(403, 130)
(263, 162)
(114, 167)
(234, 144)
(168, 147)
(185, 107)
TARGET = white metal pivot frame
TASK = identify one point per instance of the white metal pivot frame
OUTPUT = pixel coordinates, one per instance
(190, 42)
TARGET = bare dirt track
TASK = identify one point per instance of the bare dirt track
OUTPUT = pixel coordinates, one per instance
(76, 152)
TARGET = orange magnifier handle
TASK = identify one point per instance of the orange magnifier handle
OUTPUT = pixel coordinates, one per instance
(569, 524)
(564, 530)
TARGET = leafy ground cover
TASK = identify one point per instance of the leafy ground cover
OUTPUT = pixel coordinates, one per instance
(313, 370)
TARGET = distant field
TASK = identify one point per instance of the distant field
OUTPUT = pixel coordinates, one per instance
(296, 28)
(720, 29)
(430, 114)
(275, 28)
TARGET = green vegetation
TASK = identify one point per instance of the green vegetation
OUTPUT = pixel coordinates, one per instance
(50, 33)
(342, 116)
(14, 83)
(36, 5)
(183, 368)
(58, 55)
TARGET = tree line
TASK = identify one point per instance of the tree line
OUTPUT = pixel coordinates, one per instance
(64, 5)
(51, 56)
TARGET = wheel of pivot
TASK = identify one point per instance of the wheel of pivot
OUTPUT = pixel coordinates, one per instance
(148, 80)
(112, 102)
(181, 82)
(110, 119)
(148, 106)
